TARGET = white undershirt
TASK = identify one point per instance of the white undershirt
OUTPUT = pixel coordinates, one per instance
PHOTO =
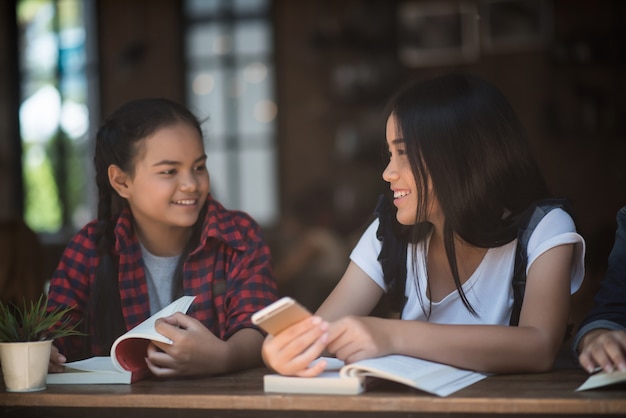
(159, 278)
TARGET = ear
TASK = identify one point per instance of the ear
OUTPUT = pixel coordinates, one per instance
(119, 180)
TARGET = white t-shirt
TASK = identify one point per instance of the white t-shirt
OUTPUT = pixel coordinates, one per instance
(489, 289)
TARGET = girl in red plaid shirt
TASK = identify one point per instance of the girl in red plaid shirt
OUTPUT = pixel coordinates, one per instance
(160, 235)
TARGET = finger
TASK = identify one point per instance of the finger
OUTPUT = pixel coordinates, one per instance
(586, 362)
(339, 335)
(352, 351)
(620, 358)
(357, 355)
(310, 354)
(600, 357)
(314, 370)
(56, 356)
(159, 347)
(615, 354)
(55, 368)
(307, 364)
(171, 327)
(182, 320)
(296, 356)
(301, 337)
(159, 371)
(170, 320)
(159, 358)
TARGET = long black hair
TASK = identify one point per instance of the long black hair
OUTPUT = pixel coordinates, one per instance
(117, 143)
(462, 135)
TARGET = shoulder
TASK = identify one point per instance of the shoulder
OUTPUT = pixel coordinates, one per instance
(81, 250)
(235, 227)
(370, 236)
(555, 223)
(621, 219)
(556, 228)
(86, 236)
(367, 249)
(558, 219)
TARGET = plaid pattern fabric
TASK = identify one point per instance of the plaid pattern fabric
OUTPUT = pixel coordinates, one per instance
(229, 273)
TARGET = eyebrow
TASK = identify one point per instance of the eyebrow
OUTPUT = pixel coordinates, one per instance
(398, 141)
(172, 162)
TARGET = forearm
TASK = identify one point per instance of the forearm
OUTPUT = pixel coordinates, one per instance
(355, 294)
(485, 348)
(242, 351)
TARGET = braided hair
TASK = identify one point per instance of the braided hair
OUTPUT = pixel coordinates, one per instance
(117, 143)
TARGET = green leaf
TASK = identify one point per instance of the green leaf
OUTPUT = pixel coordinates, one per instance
(34, 322)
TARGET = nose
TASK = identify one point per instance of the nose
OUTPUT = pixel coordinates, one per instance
(390, 172)
(189, 183)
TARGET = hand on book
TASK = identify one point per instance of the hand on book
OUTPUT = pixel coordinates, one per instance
(292, 351)
(195, 350)
(605, 349)
(354, 338)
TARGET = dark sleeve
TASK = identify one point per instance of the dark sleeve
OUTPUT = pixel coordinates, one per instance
(609, 308)
(610, 301)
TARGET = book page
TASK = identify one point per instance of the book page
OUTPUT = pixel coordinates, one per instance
(602, 379)
(129, 350)
(332, 363)
(436, 378)
(94, 364)
(146, 328)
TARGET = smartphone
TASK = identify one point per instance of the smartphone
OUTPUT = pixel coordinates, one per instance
(280, 315)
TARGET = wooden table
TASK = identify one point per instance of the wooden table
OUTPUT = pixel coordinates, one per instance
(241, 395)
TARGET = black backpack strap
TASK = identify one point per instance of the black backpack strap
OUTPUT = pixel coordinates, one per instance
(535, 215)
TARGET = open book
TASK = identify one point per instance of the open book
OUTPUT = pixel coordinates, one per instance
(127, 361)
(601, 379)
(435, 378)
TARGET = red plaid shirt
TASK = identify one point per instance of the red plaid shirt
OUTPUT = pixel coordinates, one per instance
(229, 273)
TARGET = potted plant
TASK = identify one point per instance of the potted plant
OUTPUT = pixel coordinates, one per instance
(26, 335)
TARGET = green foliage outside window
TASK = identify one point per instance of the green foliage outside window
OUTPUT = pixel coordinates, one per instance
(42, 208)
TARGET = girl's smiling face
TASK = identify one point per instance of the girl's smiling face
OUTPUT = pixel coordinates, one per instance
(401, 179)
(170, 181)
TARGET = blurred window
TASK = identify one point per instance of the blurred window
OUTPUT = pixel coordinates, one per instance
(54, 115)
(230, 85)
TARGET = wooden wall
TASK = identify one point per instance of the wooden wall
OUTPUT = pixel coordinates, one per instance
(141, 51)
(568, 93)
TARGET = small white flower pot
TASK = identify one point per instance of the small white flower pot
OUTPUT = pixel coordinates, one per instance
(25, 365)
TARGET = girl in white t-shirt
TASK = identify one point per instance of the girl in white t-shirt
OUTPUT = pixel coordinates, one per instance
(462, 178)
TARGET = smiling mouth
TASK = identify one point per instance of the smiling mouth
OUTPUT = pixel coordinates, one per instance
(397, 195)
(185, 202)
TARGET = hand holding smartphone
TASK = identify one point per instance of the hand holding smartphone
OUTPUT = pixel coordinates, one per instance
(280, 315)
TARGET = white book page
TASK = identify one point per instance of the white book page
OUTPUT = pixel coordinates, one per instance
(432, 377)
(147, 330)
(95, 364)
(602, 379)
(332, 363)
